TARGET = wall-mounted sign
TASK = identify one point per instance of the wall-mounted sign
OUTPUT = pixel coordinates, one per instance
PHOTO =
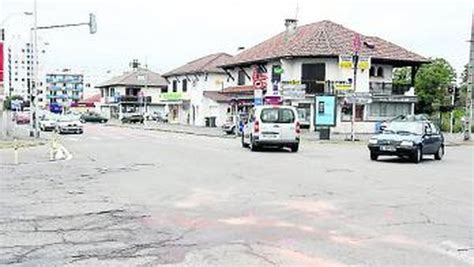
(342, 85)
(258, 97)
(345, 62)
(278, 70)
(364, 63)
(325, 111)
(172, 96)
(358, 98)
(293, 91)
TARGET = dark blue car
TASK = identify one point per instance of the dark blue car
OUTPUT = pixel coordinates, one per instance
(411, 137)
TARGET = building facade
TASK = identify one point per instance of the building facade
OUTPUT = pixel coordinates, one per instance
(19, 67)
(137, 91)
(303, 62)
(191, 85)
(64, 88)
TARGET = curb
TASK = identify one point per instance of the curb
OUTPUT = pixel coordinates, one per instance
(172, 131)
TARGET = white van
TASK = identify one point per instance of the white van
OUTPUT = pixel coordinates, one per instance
(272, 126)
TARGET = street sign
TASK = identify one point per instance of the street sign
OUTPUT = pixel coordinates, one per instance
(345, 62)
(258, 101)
(356, 43)
(363, 63)
(292, 91)
(358, 98)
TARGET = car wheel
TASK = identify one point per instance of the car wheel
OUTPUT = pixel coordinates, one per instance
(417, 156)
(374, 156)
(253, 146)
(243, 142)
(294, 148)
(440, 153)
(102, 121)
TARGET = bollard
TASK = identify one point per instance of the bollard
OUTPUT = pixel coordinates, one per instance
(15, 151)
(52, 151)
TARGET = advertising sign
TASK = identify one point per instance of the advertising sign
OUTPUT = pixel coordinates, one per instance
(172, 96)
(325, 111)
(343, 85)
(259, 78)
(345, 62)
(258, 97)
(358, 98)
(364, 63)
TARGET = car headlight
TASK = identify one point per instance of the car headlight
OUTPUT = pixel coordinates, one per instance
(373, 141)
(406, 143)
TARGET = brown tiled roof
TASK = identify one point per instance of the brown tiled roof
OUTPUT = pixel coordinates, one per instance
(238, 89)
(139, 77)
(208, 63)
(324, 38)
(217, 96)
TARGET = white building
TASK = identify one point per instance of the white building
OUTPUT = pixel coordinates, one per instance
(19, 66)
(138, 90)
(191, 87)
(310, 55)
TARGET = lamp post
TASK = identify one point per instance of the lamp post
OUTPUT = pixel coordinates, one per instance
(92, 29)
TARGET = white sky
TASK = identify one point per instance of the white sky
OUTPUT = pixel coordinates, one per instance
(170, 33)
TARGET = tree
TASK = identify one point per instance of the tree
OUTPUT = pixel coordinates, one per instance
(402, 75)
(431, 83)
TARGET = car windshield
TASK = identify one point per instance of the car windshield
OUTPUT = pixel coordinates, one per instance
(277, 115)
(404, 128)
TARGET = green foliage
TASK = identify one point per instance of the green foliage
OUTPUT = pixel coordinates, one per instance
(431, 83)
(402, 75)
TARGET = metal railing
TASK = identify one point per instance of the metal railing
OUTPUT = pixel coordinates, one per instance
(388, 88)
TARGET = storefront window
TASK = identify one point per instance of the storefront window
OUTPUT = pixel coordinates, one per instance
(388, 110)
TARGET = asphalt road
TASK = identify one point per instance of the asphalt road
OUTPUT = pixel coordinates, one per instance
(134, 197)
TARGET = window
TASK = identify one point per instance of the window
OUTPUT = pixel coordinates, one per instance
(388, 110)
(185, 85)
(22, 79)
(346, 112)
(241, 78)
(277, 115)
(164, 89)
(175, 86)
(102, 93)
(380, 72)
(112, 91)
(314, 77)
(372, 71)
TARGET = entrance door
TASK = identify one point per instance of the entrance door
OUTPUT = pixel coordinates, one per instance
(314, 76)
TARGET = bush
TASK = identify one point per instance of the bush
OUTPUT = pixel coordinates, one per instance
(7, 103)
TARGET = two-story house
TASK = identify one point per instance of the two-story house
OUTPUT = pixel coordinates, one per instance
(192, 87)
(136, 91)
(314, 57)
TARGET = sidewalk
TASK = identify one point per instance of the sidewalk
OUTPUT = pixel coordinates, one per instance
(450, 139)
(26, 155)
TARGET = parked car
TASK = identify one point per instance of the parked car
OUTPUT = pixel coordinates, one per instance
(229, 125)
(135, 118)
(21, 118)
(272, 126)
(156, 116)
(93, 117)
(47, 122)
(66, 124)
(411, 137)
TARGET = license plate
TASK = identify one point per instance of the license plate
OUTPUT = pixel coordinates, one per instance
(388, 148)
(270, 136)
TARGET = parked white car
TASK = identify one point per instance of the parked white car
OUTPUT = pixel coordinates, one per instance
(48, 122)
(68, 124)
(276, 126)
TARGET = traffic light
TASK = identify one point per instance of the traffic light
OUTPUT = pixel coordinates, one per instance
(457, 96)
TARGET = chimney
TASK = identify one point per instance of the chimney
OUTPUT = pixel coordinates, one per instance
(291, 25)
(240, 49)
(135, 64)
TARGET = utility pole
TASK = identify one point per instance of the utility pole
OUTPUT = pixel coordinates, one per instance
(356, 45)
(470, 80)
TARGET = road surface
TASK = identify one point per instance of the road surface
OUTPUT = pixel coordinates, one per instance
(135, 197)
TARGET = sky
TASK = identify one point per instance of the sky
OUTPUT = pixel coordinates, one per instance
(167, 34)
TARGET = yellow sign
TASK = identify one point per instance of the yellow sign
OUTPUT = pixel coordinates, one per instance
(345, 62)
(342, 85)
(364, 63)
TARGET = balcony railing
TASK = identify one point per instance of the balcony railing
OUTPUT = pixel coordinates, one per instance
(388, 88)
